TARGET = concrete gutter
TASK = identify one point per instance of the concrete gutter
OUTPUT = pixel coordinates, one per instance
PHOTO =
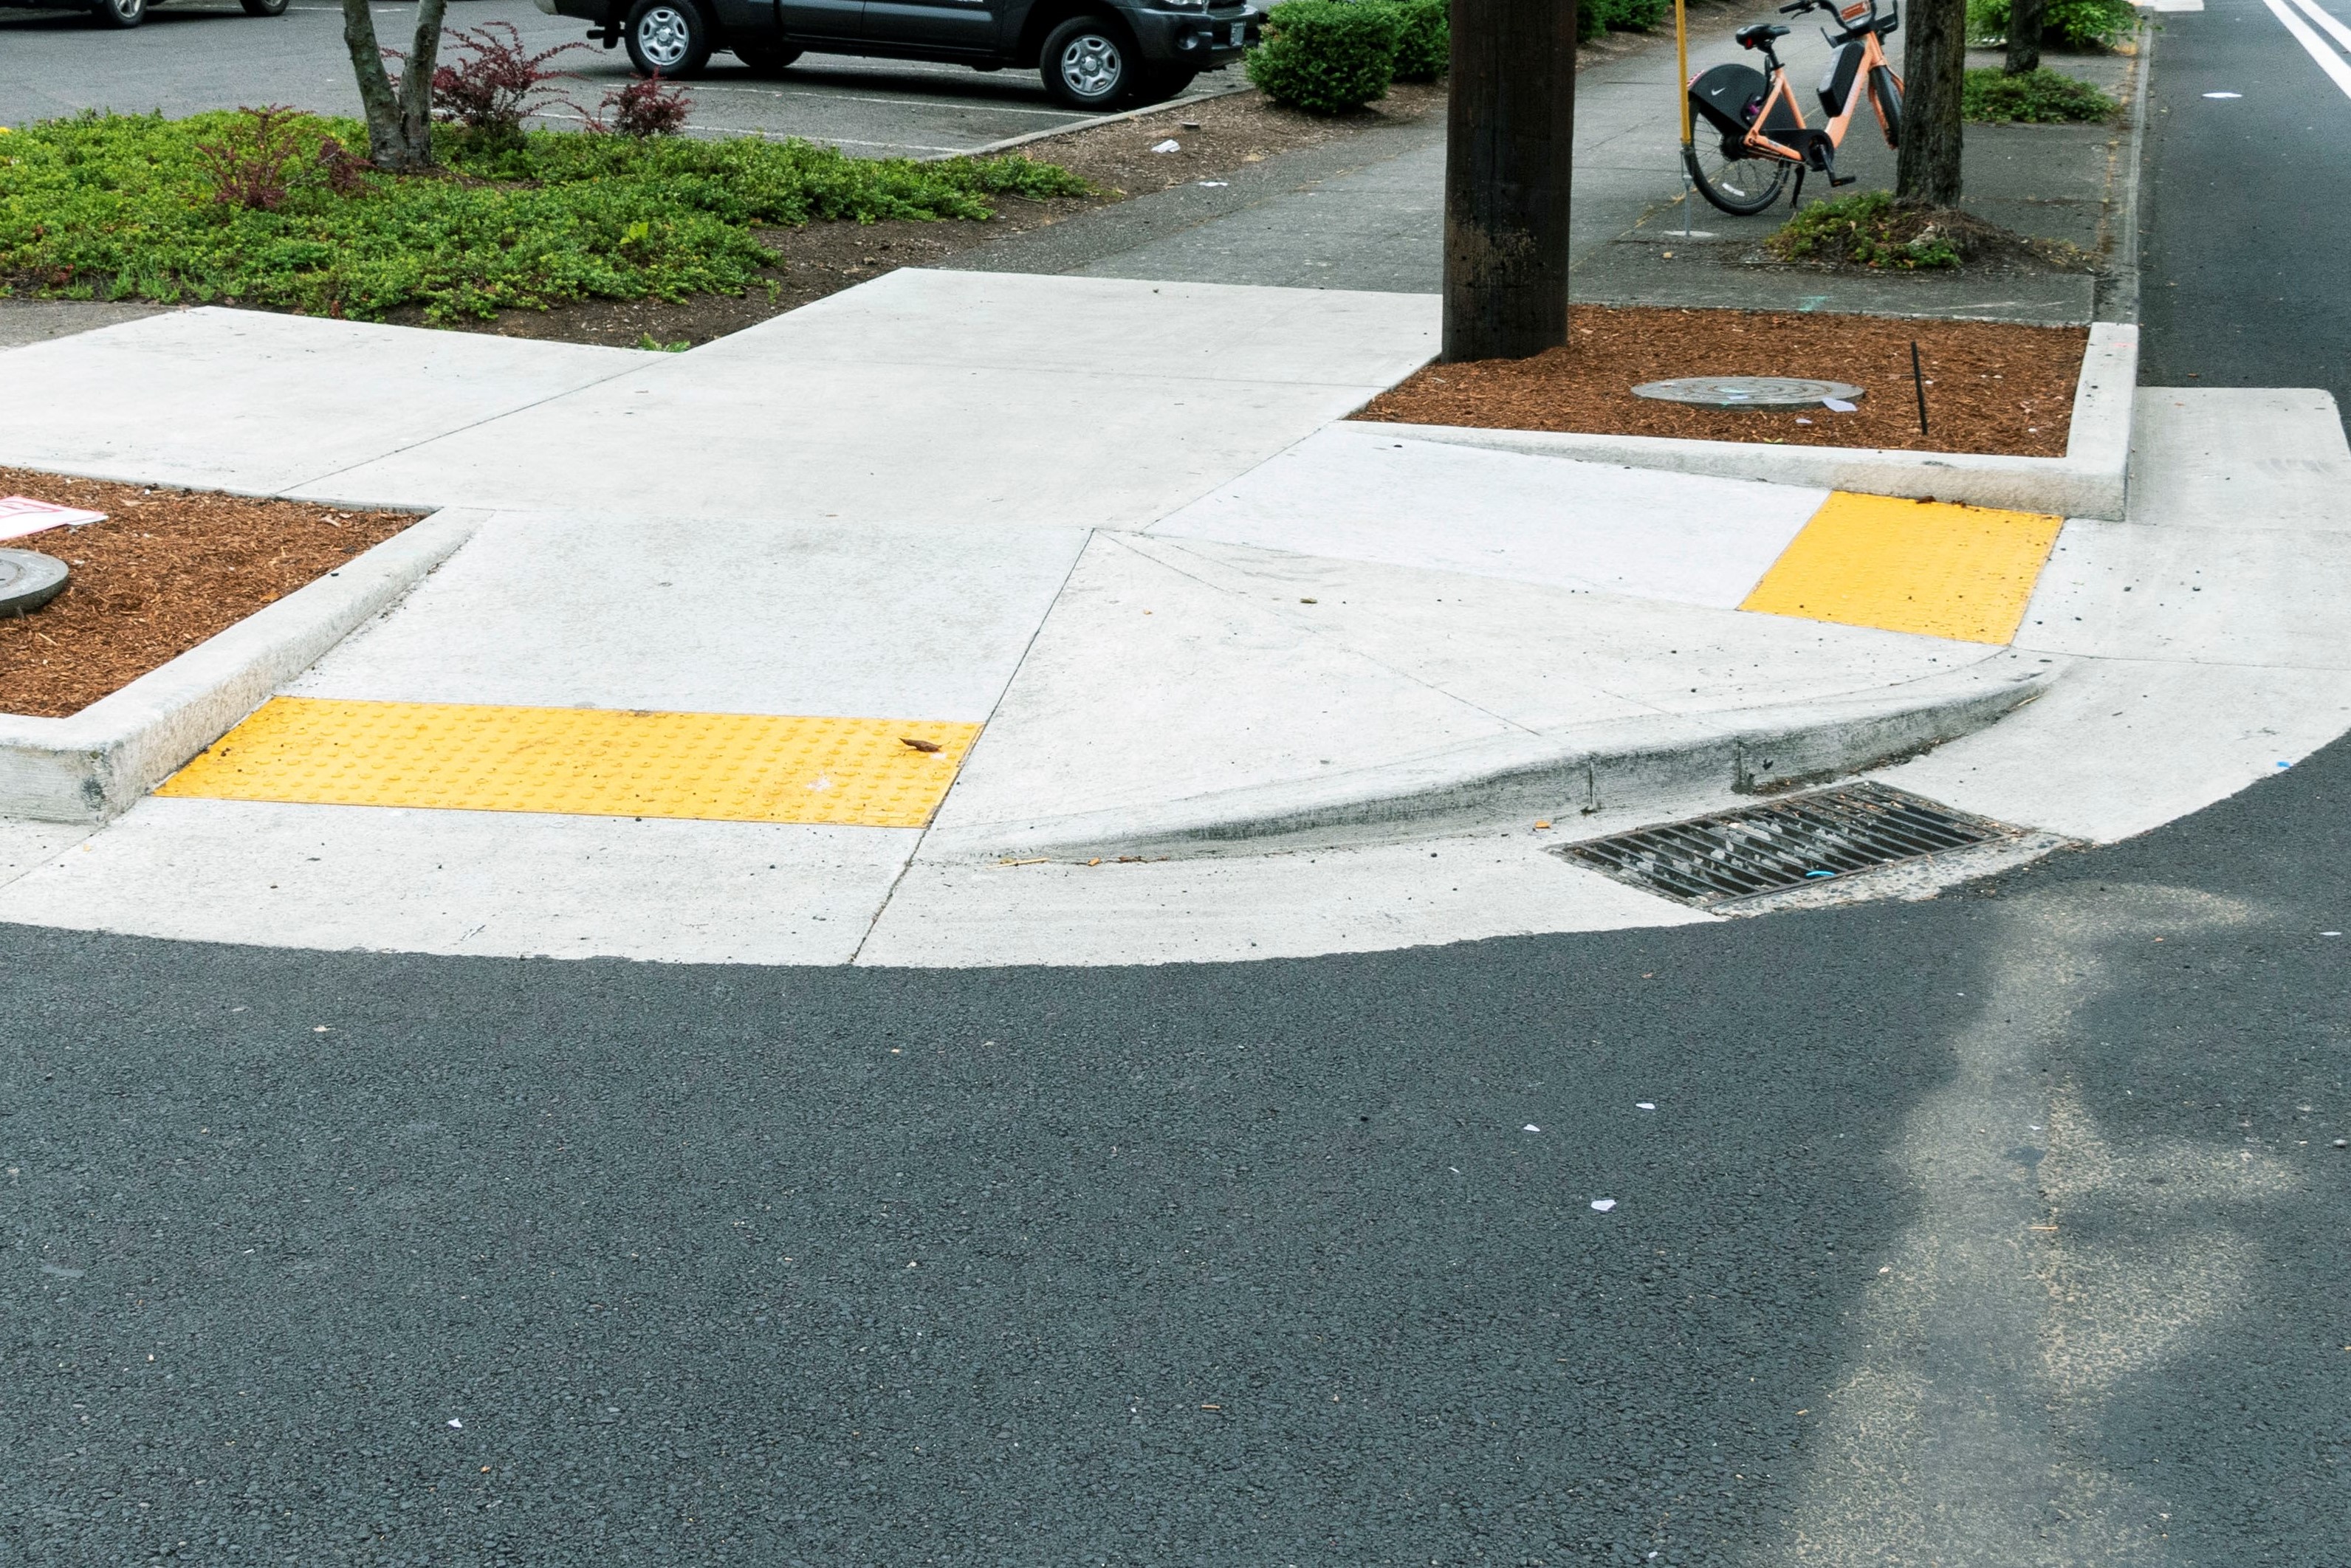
(88, 767)
(2087, 482)
(1649, 762)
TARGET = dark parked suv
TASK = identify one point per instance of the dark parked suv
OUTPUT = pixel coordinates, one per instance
(1094, 54)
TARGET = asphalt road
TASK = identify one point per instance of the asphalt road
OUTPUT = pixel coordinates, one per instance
(2000, 1230)
(2247, 229)
(191, 57)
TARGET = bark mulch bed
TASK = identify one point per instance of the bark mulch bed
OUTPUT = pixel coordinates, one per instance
(165, 571)
(1990, 387)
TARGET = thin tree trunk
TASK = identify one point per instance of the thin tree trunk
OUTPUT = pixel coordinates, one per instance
(1510, 145)
(2025, 19)
(398, 114)
(1934, 63)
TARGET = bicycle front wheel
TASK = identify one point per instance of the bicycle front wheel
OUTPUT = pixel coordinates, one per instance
(1742, 185)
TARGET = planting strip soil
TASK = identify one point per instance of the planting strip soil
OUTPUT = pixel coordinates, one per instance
(167, 570)
(1990, 387)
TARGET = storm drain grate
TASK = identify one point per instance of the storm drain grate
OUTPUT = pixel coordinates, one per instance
(1789, 844)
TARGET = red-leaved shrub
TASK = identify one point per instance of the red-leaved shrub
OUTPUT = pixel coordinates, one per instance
(492, 86)
(247, 161)
(643, 108)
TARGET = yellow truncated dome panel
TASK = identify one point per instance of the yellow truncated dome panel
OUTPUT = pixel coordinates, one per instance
(1926, 567)
(590, 762)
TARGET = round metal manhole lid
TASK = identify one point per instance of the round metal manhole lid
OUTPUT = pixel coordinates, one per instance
(1748, 392)
(29, 579)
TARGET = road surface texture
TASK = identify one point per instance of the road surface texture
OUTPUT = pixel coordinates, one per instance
(2003, 1230)
(188, 59)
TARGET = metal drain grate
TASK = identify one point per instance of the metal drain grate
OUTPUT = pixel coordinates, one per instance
(1790, 843)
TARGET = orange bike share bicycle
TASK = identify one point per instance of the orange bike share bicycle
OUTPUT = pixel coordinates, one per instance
(1749, 132)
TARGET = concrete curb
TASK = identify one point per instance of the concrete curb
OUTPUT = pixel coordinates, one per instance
(1514, 781)
(2121, 296)
(87, 768)
(991, 149)
(2089, 481)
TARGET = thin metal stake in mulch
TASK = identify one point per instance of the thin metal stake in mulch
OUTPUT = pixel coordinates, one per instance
(1918, 381)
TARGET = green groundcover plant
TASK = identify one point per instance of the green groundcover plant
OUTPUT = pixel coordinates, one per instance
(138, 207)
(2042, 96)
(1868, 230)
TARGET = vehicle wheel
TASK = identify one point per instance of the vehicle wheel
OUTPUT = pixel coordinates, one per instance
(767, 59)
(119, 13)
(1161, 84)
(667, 39)
(1741, 185)
(1089, 63)
(265, 7)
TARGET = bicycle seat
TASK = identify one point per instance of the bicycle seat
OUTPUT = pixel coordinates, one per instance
(1760, 33)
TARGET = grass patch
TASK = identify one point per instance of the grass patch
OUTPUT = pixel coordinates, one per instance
(129, 207)
(2038, 98)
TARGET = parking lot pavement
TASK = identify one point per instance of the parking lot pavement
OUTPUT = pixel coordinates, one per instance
(191, 57)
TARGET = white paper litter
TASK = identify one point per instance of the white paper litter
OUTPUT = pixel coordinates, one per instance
(1529, 1127)
(459, 1425)
(22, 515)
(1215, 184)
(2225, 95)
(1170, 145)
(1837, 406)
(1603, 1205)
(1644, 1104)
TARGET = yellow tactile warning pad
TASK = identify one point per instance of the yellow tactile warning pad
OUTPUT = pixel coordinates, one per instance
(1927, 567)
(589, 762)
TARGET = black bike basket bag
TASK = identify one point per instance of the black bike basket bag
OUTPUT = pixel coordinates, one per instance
(1729, 98)
(1836, 82)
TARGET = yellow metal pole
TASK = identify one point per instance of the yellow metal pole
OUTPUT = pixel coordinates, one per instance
(1681, 57)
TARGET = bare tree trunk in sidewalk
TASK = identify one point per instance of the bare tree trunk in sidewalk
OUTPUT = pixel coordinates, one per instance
(1934, 63)
(2025, 18)
(398, 114)
(1510, 141)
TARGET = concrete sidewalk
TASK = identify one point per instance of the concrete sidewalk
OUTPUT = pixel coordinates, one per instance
(1368, 212)
(1110, 551)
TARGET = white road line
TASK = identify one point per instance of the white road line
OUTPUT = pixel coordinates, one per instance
(2328, 60)
(2326, 20)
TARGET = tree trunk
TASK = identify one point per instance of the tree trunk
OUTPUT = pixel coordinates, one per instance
(398, 114)
(1510, 139)
(1934, 63)
(2025, 18)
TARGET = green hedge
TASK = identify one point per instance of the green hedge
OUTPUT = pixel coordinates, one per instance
(2075, 23)
(1326, 55)
(125, 207)
(1424, 48)
(1593, 17)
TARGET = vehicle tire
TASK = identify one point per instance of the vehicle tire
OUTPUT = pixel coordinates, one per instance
(119, 13)
(1089, 63)
(767, 59)
(1163, 82)
(1887, 91)
(265, 7)
(1742, 185)
(669, 38)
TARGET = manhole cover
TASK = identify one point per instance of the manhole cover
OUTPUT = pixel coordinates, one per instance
(29, 579)
(1748, 392)
(1789, 844)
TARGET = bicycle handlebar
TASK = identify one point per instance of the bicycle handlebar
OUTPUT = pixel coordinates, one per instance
(1799, 7)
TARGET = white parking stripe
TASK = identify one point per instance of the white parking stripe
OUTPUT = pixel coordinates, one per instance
(2328, 60)
(2326, 19)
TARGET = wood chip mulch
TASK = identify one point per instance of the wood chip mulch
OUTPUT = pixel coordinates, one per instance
(165, 571)
(1990, 387)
